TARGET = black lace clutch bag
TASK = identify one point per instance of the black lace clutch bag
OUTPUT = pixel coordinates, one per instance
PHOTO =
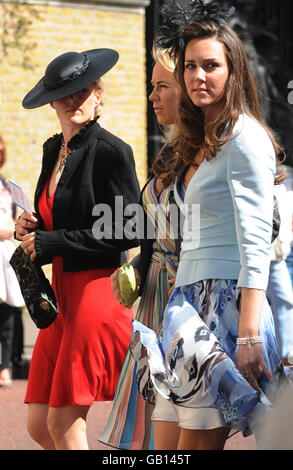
(36, 290)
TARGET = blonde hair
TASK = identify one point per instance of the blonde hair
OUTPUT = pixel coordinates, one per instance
(164, 162)
(163, 56)
(98, 85)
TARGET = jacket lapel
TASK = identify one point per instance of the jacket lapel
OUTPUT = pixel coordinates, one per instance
(79, 146)
(72, 163)
(51, 149)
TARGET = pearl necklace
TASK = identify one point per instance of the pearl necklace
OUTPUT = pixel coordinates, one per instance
(63, 158)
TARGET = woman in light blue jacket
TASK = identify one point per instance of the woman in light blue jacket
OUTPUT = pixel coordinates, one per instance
(216, 366)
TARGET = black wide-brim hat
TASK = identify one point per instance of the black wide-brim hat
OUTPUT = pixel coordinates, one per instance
(68, 73)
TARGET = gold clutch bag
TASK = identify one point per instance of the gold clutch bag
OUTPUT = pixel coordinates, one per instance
(128, 285)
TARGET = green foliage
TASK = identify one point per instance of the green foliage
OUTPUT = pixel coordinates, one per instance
(16, 18)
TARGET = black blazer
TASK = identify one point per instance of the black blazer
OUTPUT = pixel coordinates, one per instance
(99, 168)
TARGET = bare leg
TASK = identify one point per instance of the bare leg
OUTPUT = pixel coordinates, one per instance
(166, 435)
(37, 425)
(210, 439)
(67, 426)
(148, 425)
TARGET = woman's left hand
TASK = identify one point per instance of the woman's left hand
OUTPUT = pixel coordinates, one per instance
(250, 360)
(251, 364)
(28, 245)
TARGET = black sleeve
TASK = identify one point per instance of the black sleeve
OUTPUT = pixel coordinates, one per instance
(121, 181)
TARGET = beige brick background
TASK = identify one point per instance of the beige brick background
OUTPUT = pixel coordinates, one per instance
(55, 30)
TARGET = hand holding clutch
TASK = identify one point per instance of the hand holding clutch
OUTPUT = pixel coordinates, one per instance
(128, 284)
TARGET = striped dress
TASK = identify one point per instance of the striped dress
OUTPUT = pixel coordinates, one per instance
(129, 424)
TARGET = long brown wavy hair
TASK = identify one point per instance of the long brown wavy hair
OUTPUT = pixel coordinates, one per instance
(194, 133)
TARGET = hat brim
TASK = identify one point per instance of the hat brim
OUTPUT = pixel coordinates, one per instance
(101, 61)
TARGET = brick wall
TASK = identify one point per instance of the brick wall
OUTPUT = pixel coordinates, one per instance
(57, 29)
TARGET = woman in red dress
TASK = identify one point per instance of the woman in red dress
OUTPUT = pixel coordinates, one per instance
(77, 360)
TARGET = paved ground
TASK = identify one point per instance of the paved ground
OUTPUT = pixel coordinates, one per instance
(13, 435)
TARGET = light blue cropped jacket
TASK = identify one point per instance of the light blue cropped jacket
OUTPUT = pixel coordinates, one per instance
(234, 192)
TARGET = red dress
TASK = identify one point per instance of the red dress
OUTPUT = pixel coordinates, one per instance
(77, 360)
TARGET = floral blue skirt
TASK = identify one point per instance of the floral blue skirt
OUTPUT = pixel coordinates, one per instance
(193, 362)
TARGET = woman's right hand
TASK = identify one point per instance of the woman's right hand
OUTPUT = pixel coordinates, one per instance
(250, 362)
(115, 283)
(25, 224)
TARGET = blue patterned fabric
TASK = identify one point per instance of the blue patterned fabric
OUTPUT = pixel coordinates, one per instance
(193, 363)
(129, 425)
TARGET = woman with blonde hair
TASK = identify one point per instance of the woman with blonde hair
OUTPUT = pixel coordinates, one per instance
(129, 424)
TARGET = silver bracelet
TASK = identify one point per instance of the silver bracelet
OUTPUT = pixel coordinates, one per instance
(249, 341)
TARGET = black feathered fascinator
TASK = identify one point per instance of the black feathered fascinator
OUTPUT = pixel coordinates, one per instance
(178, 15)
